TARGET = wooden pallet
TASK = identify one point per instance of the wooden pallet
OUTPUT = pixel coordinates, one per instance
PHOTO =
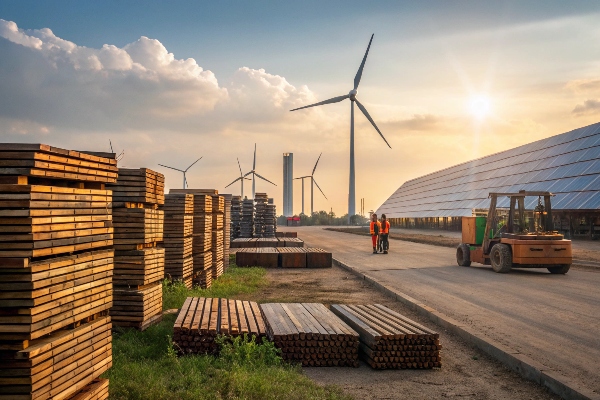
(202, 319)
(37, 298)
(46, 162)
(134, 308)
(310, 334)
(389, 339)
(58, 365)
(139, 267)
(96, 390)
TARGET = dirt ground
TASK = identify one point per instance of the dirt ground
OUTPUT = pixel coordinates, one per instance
(582, 250)
(465, 372)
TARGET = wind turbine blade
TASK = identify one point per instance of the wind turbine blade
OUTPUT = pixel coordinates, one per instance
(364, 111)
(193, 164)
(240, 167)
(319, 188)
(254, 163)
(362, 65)
(316, 164)
(237, 179)
(248, 174)
(332, 100)
(264, 179)
(111, 149)
(185, 182)
(166, 166)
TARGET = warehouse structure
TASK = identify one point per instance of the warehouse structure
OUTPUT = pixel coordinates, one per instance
(568, 165)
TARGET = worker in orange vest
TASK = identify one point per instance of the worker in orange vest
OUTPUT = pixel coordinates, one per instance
(375, 227)
(384, 233)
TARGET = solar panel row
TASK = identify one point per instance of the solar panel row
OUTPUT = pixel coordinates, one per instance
(567, 165)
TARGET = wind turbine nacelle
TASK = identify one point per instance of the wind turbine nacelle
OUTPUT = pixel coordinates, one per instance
(352, 94)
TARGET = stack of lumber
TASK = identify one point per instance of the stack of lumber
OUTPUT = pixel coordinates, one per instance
(283, 257)
(97, 390)
(270, 226)
(310, 334)
(218, 235)
(56, 266)
(139, 263)
(200, 320)
(226, 229)
(178, 237)
(236, 216)
(280, 234)
(260, 214)
(266, 242)
(389, 339)
(247, 219)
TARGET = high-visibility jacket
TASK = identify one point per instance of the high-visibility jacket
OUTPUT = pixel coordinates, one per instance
(375, 227)
(385, 227)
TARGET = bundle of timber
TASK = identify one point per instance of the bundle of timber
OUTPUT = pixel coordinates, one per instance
(139, 264)
(218, 235)
(283, 257)
(226, 229)
(97, 390)
(200, 320)
(178, 237)
(310, 334)
(260, 215)
(270, 220)
(247, 219)
(267, 242)
(389, 339)
(236, 216)
(59, 365)
(138, 186)
(56, 267)
(286, 234)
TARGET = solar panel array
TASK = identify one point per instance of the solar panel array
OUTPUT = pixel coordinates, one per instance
(567, 165)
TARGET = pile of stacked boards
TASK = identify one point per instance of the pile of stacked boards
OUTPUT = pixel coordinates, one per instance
(236, 216)
(310, 334)
(226, 229)
(247, 219)
(260, 214)
(178, 237)
(270, 225)
(139, 263)
(218, 235)
(389, 339)
(209, 220)
(266, 242)
(200, 320)
(56, 267)
(284, 257)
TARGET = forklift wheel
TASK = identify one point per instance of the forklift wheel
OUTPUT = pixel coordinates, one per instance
(463, 255)
(560, 269)
(501, 258)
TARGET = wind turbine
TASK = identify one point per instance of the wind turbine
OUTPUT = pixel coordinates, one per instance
(352, 96)
(182, 170)
(313, 182)
(117, 157)
(241, 178)
(254, 174)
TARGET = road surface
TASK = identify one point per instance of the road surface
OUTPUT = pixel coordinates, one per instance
(554, 319)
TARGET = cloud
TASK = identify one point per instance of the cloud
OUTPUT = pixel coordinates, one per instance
(589, 106)
(418, 122)
(584, 85)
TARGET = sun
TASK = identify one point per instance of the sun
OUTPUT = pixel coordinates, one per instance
(479, 106)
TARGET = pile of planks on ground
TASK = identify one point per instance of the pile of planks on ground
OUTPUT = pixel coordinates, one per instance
(286, 234)
(56, 267)
(200, 320)
(236, 216)
(178, 237)
(283, 257)
(310, 334)
(211, 239)
(226, 229)
(139, 263)
(247, 219)
(243, 243)
(390, 340)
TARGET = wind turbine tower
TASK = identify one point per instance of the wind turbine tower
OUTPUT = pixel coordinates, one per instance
(313, 182)
(183, 171)
(352, 96)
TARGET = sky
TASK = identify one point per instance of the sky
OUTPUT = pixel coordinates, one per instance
(169, 82)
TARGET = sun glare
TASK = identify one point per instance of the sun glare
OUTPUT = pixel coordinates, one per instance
(479, 106)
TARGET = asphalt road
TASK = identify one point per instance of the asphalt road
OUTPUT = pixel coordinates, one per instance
(554, 319)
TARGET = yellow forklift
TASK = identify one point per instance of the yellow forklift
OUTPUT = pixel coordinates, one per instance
(519, 239)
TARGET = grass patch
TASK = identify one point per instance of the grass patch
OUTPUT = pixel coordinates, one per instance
(234, 282)
(145, 364)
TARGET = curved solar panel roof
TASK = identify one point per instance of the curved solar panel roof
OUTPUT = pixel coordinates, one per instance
(567, 165)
